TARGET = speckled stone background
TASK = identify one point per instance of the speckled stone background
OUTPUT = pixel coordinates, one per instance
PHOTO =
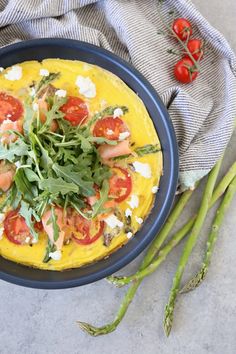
(44, 322)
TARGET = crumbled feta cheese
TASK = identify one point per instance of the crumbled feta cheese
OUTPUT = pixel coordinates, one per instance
(56, 256)
(61, 93)
(32, 92)
(112, 221)
(9, 115)
(134, 201)
(154, 189)
(43, 72)
(2, 217)
(123, 136)
(129, 234)
(86, 86)
(117, 113)
(143, 169)
(27, 239)
(35, 106)
(1, 232)
(110, 132)
(17, 164)
(15, 73)
(35, 240)
(128, 212)
(139, 220)
(1, 69)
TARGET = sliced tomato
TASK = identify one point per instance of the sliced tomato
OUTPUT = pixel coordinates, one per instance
(76, 110)
(10, 107)
(109, 128)
(87, 232)
(15, 228)
(120, 184)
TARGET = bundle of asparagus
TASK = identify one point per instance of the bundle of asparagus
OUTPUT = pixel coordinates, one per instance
(158, 252)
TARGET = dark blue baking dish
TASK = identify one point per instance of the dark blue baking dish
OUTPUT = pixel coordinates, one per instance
(40, 49)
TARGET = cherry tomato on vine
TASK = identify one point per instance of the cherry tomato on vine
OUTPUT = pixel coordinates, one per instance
(185, 71)
(182, 28)
(195, 46)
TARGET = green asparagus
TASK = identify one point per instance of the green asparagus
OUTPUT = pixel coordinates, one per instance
(200, 276)
(169, 309)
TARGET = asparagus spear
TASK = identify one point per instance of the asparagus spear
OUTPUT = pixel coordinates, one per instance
(191, 241)
(95, 331)
(161, 237)
(200, 276)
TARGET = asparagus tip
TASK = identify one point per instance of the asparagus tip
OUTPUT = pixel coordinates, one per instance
(194, 282)
(168, 320)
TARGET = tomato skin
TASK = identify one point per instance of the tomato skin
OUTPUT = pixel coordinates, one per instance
(84, 226)
(195, 46)
(75, 109)
(182, 28)
(107, 125)
(10, 108)
(120, 187)
(15, 228)
(184, 71)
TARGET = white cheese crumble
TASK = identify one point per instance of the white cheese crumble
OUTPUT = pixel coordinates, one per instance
(61, 93)
(43, 72)
(1, 69)
(154, 189)
(17, 164)
(56, 256)
(86, 86)
(35, 240)
(9, 115)
(129, 234)
(143, 169)
(27, 239)
(110, 132)
(134, 201)
(124, 135)
(15, 73)
(1, 232)
(35, 106)
(117, 113)
(128, 212)
(2, 217)
(112, 221)
(139, 220)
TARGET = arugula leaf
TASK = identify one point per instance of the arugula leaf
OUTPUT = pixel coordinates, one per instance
(50, 248)
(24, 186)
(12, 150)
(53, 113)
(103, 198)
(28, 119)
(69, 175)
(45, 159)
(28, 214)
(31, 175)
(53, 221)
(58, 185)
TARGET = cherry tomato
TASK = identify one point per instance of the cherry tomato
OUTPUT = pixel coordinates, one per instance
(185, 71)
(86, 231)
(120, 184)
(195, 46)
(109, 128)
(10, 107)
(76, 110)
(182, 28)
(15, 228)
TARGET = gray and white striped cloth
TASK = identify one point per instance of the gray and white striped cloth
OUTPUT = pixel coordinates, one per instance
(203, 112)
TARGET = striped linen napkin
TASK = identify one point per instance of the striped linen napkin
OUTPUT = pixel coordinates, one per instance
(202, 112)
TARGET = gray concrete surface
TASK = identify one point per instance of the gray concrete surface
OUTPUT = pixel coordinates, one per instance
(43, 322)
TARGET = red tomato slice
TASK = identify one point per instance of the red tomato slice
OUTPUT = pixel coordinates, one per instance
(15, 228)
(87, 232)
(76, 110)
(109, 128)
(120, 184)
(10, 107)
